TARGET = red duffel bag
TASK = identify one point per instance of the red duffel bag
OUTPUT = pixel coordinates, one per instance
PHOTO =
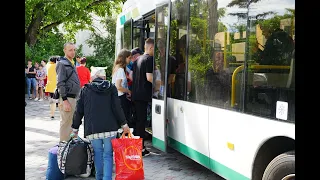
(128, 158)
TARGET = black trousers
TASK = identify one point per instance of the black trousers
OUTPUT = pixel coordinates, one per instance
(133, 116)
(125, 104)
(141, 118)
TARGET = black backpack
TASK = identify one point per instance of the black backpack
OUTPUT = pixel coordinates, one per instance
(75, 156)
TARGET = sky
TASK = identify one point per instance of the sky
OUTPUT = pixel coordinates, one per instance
(278, 6)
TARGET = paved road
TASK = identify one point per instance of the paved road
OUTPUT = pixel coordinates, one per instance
(42, 134)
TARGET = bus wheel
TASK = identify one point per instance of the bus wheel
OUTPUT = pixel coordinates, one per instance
(281, 167)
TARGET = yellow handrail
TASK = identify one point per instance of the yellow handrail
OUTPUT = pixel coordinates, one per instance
(241, 63)
(268, 67)
(240, 68)
(233, 84)
(235, 52)
(235, 63)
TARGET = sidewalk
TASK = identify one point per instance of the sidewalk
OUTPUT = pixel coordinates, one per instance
(41, 133)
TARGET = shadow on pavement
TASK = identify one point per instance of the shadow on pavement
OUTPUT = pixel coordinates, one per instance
(41, 131)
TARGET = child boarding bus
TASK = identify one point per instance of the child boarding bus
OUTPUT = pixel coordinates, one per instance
(225, 89)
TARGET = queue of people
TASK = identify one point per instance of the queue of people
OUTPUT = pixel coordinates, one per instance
(42, 79)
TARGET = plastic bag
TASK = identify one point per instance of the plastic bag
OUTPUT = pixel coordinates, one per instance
(128, 158)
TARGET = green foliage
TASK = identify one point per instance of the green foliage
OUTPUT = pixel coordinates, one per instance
(127, 36)
(100, 62)
(51, 44)
(271, 24)
(199, 65)
(28, 52)
(200, 46)
(104, 52)
(42, 16)
(254, 51)
(222, 27)
(269, 21)
(221, 12)
(199, 27)
(173, 37)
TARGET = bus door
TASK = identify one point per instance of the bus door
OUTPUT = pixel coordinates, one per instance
(142, 29)
(160, 78)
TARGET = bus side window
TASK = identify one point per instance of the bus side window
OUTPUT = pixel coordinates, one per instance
(209, 49)
(126, 36)
(177, 54)
(270, 77)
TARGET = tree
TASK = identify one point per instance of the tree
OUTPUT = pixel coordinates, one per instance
(203, 31)
(51, 44)
(245, 4)
(41, 16)
(221, 14)
(269, 25)
(104, 52)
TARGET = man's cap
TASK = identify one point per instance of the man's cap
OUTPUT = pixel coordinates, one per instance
(136, 51)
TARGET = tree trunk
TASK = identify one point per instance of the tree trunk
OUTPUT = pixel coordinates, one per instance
(33, 30)
(213, 18)
(213, 26)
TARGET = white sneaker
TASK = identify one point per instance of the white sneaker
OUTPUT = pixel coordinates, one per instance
(36, 99)
(40, 99)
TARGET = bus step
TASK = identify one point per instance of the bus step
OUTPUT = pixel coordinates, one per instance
(148, 130)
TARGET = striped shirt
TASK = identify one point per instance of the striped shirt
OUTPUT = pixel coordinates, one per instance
(102, 135)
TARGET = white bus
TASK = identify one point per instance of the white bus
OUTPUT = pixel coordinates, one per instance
(227, 89)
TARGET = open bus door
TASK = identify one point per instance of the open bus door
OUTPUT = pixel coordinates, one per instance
(160, 78)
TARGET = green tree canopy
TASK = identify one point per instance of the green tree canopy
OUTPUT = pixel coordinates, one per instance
(104, 53)
(50, 44)
(43, 16)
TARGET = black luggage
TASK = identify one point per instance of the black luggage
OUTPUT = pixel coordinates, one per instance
(75, 157)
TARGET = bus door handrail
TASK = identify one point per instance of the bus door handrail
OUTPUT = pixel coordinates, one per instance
(240, 68)
(233, 84)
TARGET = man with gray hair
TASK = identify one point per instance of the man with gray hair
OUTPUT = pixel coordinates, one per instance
(68, 85)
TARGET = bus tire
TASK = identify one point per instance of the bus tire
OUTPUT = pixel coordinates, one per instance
(280, 167)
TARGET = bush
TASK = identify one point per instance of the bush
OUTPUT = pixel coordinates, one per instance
(100, 62)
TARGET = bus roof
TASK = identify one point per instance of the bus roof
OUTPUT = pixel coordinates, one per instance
(135, 9)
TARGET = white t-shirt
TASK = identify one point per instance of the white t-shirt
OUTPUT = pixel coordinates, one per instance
(120, 74)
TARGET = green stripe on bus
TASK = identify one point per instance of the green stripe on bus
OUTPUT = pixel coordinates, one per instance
(157, 143)
(215, 166)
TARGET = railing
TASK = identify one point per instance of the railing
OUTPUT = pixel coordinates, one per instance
(240, 68)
